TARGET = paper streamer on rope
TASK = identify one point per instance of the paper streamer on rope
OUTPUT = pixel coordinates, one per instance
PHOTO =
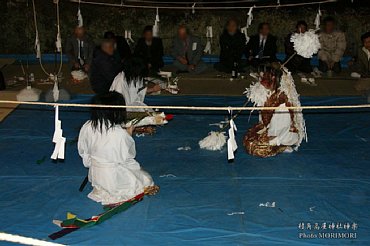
(58, 42)
(55, 88)
(209, 36)
(156, 25)
(250, 17)
(37, 46)
(317, 19)
(128, 36)
(80, 21)
(58, 138)
(193, 8)
(244, 29)
(232, 146)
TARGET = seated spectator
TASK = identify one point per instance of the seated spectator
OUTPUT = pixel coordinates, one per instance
(333, 45)
(150, 50)
(261, 48)
(122, 49)
(80, 49)
(232, 44)
(297, 63)
(187, 51)
(361, 67)
(104, 67)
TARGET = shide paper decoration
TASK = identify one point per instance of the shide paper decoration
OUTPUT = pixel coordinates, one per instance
(58, 138)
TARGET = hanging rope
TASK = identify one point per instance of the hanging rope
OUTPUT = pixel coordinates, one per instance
(361, 106)
(199, 7)
(37, 42)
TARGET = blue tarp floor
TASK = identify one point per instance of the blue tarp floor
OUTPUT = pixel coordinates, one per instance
(204, 200)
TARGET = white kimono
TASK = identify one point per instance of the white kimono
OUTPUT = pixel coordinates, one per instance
(134, 93)
(280, 128)
(113, 171)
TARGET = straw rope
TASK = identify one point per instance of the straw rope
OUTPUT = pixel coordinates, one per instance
(199, 7)
(195, 108)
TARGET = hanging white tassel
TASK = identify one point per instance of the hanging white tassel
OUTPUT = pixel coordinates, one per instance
(193, 9)
(232, 146)
(58, 138)
(80, 21)
(214, 141)
(55, 88)
(250, 17)
(37, 46)
(156, 25)
(317, 19)
(209, 35)
(128, 36)
(244, 30)
(58, 42)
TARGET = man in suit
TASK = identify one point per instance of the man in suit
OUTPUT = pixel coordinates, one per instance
(80, 49)
(104, 67)
(122, 49)
(232, 44)
(187, 51)
(261, 48)
(150, 50)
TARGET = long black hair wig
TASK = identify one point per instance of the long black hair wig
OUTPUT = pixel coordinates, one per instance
(135, 69)
(105, 118)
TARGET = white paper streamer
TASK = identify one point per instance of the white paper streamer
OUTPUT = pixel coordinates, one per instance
(193, 9)
(209, 36)
(58, 42)
(128, 36)
(317, 19)
(37, 46)
(55, 88)
(250, 17)
(80, 21)
(156, 25)
(244, 30)
(58, 138)
(232, 146)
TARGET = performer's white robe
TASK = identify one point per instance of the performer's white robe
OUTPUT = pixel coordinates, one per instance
(133, 92)
(279, 128)
(113, 171)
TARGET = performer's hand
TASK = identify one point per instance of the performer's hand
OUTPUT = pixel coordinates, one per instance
(154, 89)
(130, 130)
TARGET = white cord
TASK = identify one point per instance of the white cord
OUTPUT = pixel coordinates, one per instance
(200, 7)
(25, 240)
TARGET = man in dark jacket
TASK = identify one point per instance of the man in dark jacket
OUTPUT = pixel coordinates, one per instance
(79, 49)
(122, 49)
(104, 68)
(232, 44)
(150, 50)
(187, 51)
(262, 48)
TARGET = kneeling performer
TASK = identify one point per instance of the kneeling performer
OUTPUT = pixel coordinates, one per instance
(279, 130)
(108, 150)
